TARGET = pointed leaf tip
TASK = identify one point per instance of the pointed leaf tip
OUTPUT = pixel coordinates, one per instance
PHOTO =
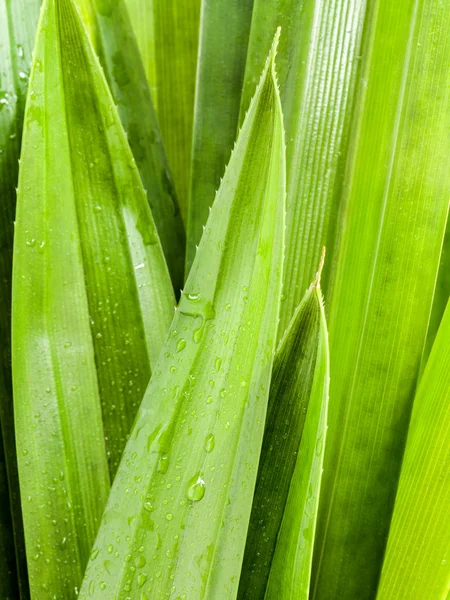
(316, 282)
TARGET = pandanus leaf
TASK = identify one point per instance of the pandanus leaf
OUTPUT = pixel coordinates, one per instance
(395, 204)
(18, 22)
(417, 560)
(224, 31)
(282, 523)
(318, 69)
(92, 301)
(167, 35)
(116, 46)
(182, 496)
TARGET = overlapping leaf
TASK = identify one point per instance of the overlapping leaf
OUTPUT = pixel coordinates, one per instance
(92, 301)
(167, 35)
(417, 561)
(18, 21)
(395, 207)
(183, 492)
(225, 27)
(282, 523)
(319, 63)
(116, 46)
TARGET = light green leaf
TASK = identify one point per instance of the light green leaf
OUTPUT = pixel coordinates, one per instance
(318, 68)
(417, 561)
(184, 488)
(92, 300)
(167, 35)
(224, 31)
(395, 206)
(116, 46)
(300, 361)
(18, 21)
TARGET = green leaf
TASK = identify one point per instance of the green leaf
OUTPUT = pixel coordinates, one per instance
(417, 561)
(18, 21)
(318, 69)
(224, 31)
(184, 488)
(116, 46)
(299, 386)
(167, 35)
(393, 221)
(290, 573)
(92, 300)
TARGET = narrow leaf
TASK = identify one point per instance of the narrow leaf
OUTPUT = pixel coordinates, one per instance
(393, 221)
(116, 46)
(185, 484)
(18, 21)
(92, 300)
(290, 573)
(167, 35)
(224, 31)
(290, 391)
(318, 69)
(417, 561)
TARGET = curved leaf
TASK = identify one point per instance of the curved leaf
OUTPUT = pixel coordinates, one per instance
(184, 488)
(92, 300)
(111, 31)
(293, 374)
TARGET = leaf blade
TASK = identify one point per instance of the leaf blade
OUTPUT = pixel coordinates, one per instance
(224, 31)
(379, 306)
(319, 66)
(167, 35)
(115, 44)
(206, 401)
(416, 560)
(87, 269)
(18, 21)
(290, 573)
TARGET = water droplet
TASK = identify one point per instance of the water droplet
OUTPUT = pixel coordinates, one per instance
(181, 345)
(223, 393)
(210, 442)
(102, 585)
(169, 516)
(163, 463)
(218, 363)
(141, 561)
(196, 488)
(142, 579)
(209, 400)
(110, 549)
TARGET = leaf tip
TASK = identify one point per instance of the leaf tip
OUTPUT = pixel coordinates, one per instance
(316, 282)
